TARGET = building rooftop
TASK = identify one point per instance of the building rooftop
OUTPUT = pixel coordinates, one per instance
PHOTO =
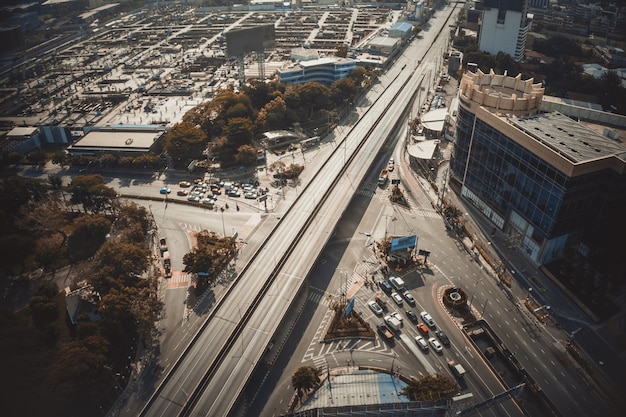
(359, 387)
(571, 139)
(131, 140)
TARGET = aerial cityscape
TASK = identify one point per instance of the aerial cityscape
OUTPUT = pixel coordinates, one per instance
(313, 208)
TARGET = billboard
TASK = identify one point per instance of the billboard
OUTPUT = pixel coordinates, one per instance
(241, 41)
(349, 307)
(403, 243)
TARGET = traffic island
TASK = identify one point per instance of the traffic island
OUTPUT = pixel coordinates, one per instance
(347, 326)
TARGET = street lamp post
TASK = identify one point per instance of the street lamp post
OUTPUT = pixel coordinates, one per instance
(223, 226)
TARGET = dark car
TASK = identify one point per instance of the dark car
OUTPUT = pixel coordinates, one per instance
(443, 337)
(385, 286)
(412, 316)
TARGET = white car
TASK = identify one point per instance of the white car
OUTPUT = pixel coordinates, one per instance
(428, 319)
(398, 316)
(373, 305)
(396, 298)
(421, 342)
(435, 344)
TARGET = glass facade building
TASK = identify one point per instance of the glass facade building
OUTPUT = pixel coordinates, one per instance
(324, 70)
(543, 178)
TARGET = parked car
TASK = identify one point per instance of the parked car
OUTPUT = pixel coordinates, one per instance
(422, 328)
(209, 201)
(373, 305)
(428, 319)
(421, 342)
(184, 184)
(165, 190)
(435, 344)
(194, 198)
(396, 298)
(182, 193)
(233, 192)
(412, 316)
(443, 337)
(408, 297)
(251, 195)
(385, 286)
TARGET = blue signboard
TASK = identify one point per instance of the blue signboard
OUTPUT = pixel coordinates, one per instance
(349, 307)
(403, 243)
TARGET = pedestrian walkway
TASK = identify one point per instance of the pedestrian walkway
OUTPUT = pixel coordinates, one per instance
(179, 279)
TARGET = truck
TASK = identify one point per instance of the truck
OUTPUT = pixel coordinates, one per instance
(456, 368)
(383, 178)
(163, 245)
(167, 264)
(393, 323)
(384, 331)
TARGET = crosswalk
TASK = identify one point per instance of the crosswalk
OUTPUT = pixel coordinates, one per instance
(178, 279)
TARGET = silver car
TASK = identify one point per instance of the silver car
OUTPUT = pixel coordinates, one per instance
(428, 319)
(373, 305)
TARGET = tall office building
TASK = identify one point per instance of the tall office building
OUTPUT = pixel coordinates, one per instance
(544, 178)
(503, 27)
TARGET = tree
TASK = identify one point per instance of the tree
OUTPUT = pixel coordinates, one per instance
(239, 131)
(78, 368)
(91, 192)
(184, 142)
(430, 388)
(260, 93)
(89, 234)
(343, 90)
(43, 311)
(121, 260)
(305, 378)
(246, 155)
(273, 115)
(612, 93)
(133, 214)
(308, 98)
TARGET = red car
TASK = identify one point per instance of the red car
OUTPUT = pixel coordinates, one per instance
(182, 192)
(422, 328)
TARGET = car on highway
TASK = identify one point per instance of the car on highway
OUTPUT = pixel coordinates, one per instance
(435, 344)
(182, 193)
(385, 286)
(443, 337)
(398, 316)
(422, 328)
(428, 319)
(421, 342)
(412, 316)
(373, 305)
(165, 190)
(408, 297)
(396, 298)
(184, 184)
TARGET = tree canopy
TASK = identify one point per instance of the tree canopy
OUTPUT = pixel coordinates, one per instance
(185, 142)
(91, 193)
(305, 378)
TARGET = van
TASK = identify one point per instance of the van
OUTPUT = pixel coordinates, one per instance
(397, 283)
